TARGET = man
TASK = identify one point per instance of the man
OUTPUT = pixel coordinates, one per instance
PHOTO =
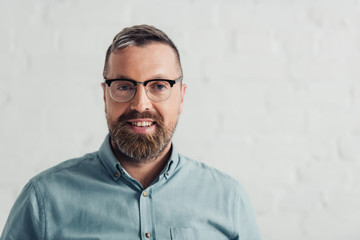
(137, 186)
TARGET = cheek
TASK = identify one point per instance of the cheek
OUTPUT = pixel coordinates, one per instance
(114, 110)
(170, 112)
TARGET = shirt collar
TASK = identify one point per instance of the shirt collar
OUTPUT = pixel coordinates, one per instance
(108, 159)
(113, 167)
(171, 165)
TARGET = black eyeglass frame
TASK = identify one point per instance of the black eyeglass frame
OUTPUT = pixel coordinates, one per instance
(171, 82)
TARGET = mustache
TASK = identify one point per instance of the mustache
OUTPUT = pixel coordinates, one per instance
(135, 114)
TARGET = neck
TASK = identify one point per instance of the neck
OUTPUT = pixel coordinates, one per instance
(145, 170)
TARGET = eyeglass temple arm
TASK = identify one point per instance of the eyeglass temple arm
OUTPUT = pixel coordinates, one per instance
(177, 80)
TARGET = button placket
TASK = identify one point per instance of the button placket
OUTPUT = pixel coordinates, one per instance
(146, 213)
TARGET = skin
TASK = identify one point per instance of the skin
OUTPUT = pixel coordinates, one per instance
(154, 60)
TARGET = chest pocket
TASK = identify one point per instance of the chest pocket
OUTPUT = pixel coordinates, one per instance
(196, 234)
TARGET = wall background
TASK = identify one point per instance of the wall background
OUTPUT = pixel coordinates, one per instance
(273, 98)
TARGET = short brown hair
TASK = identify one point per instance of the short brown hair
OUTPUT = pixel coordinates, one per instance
(139, 35)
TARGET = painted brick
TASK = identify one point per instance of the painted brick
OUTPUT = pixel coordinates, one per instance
(273, 98)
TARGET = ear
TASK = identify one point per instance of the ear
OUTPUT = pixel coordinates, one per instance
(103, 85)
(182, 94)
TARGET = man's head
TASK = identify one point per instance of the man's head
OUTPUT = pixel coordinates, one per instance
(142, 116)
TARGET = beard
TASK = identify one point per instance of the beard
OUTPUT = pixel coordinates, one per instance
(139, 147)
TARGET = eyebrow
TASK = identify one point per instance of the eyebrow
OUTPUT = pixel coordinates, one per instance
(159, 76)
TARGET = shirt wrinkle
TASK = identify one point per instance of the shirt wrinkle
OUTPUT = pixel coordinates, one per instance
(40, 201)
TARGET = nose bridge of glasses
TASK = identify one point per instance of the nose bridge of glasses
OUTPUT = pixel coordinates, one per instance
(140, 99)
(138, 89)
(140, 83)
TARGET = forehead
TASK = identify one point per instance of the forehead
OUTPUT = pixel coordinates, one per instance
(144, 61)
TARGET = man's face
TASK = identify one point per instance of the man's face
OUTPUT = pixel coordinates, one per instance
(141, 129)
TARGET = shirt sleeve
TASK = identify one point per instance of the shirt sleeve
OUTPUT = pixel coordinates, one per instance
(26, 219)
(244, 219)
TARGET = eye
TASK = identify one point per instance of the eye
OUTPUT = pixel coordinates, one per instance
(123, 86)
(158, 86)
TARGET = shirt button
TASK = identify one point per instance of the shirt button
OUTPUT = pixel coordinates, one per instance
(148, 235)
(116, 174)
(145, 195)
(167, 174)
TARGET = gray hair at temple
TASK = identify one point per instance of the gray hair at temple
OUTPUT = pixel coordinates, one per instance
(139, 35)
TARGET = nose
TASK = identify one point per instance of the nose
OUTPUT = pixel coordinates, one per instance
(140, 102)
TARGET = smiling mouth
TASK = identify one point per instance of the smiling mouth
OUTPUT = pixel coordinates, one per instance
(142, 124)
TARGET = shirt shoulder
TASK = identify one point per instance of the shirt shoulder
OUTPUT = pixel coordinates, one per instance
(206, 173)
(68, 168)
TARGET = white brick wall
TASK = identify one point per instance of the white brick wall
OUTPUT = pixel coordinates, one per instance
(273, 98)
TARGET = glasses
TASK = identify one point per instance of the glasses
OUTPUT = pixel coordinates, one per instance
(157, 90)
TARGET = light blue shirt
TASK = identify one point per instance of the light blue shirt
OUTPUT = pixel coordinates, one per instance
(93, 197)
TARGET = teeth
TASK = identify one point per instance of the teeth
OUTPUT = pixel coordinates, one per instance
(142, 124)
